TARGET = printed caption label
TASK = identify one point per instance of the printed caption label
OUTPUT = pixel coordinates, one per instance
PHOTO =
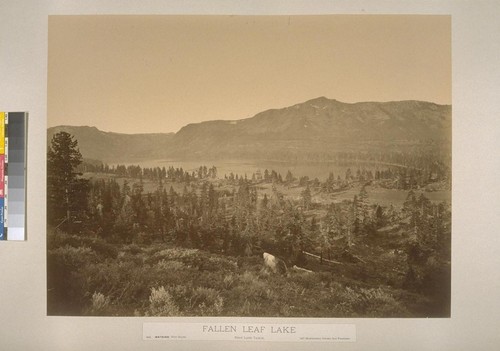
(250, 332)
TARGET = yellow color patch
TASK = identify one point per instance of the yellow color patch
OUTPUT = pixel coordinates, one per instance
(2, 133)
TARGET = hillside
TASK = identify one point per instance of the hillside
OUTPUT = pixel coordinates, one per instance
(115, 147)
(316, 126)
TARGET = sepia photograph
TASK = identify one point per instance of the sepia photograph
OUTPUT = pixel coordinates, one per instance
(249, 166)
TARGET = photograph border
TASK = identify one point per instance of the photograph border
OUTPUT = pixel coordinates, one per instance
(475, 80)
(71, 40)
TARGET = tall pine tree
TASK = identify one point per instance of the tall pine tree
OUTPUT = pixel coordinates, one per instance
(66, 191)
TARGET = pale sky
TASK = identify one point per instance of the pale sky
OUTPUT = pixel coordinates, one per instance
(141, 74)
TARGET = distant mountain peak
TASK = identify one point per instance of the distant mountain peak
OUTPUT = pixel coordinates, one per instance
(321, 102)
(320, 99)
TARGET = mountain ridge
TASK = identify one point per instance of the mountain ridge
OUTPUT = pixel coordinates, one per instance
(316, 125)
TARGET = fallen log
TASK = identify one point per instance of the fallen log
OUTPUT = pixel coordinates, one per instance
(319, 258)
(302, 269)
(359, 258)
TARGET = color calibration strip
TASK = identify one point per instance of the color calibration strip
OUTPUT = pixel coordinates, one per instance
(13, 175)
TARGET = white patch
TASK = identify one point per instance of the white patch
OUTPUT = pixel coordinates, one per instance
(270, 261)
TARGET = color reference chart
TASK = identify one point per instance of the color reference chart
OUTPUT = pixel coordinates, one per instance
(13, 126)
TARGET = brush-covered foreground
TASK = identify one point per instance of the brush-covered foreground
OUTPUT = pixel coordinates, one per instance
(87, 276)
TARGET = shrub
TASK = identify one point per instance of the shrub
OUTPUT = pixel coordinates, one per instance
(182, 296)
(100, 305)
(124, 282)
(72, 257)
(66, 295)
(253, 290)
(57, 240)
(190, 257)
(102, 248)
(249, 308)
(172, 266)
(229, 281)
(306, 280)
(197, 301)
(369, 303)
(218, 264)
(207, 301)
(248, 277)
(161, 303)
(286, 310)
